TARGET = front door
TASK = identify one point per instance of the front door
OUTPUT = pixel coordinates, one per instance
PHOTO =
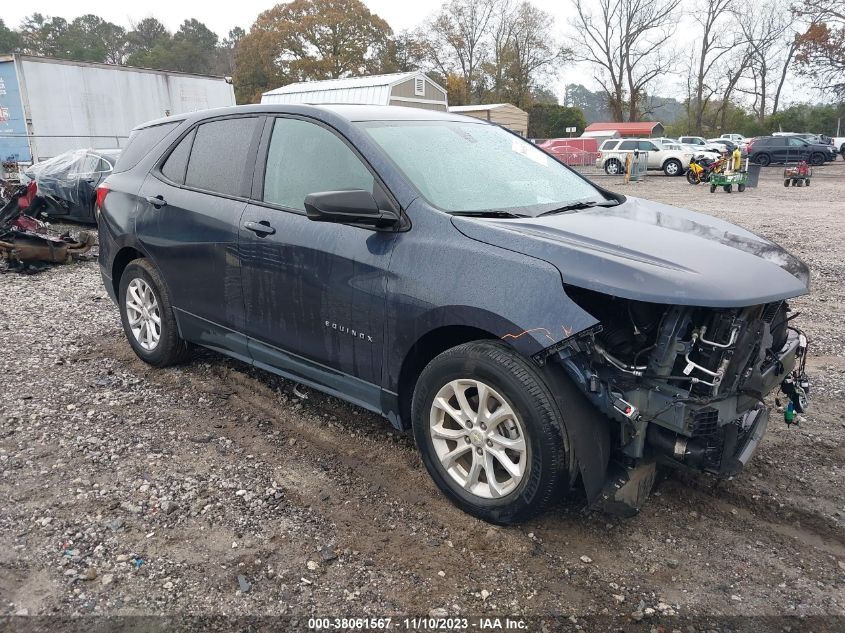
(314, 292)
(188, 223)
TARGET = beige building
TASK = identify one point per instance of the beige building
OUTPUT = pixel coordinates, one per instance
(413, 89)
(503, 114)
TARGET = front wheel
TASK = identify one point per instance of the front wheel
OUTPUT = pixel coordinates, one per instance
(712, 188)
(741, 188)
(817, 159)
(692, 178)
(489, 432)
(147, 316)
(763, 159)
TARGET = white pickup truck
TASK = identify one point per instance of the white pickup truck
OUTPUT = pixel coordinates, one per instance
(671, 160)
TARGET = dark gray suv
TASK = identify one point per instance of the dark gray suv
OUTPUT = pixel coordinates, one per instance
(538, 333)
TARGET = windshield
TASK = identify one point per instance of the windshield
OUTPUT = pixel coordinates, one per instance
(476, 168)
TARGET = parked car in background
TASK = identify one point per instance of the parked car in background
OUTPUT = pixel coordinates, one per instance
(612, 154)
(537, 332)
(839, 145)
(572, 151)
(739, 139)
(67, 183)
(788, 149)
(698, 141)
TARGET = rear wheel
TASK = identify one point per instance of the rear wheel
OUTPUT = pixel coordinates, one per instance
(672, 167)
(489, 432)
(740, 188)
(786, 183)
(807, 182)
(712, 188)
(147, 316)
(728, 188)
(613, 167)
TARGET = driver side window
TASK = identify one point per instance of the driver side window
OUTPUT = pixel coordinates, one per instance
(305, 158)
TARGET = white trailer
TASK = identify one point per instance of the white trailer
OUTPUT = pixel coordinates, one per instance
(49, 106)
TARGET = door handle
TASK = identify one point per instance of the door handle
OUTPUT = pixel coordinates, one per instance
(261, 229)
(157, 201)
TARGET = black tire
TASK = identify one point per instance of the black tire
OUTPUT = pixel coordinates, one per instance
(728, 188)
(613, 167)
(817, 159)
(692, 178)
(763, 159)
(740, 188)
(799, 183)
(712, 188)
(786, 182)
(806, 182)
(673, 167)
(170, 349)
(518, 382)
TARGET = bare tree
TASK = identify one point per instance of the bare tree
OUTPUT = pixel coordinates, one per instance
(602, 40)
(455, 41)
(628, 42)
(768, 29)
(716, 42)
(532, 51)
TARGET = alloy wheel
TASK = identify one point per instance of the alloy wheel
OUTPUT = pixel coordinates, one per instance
(143, 313)
(478, 438)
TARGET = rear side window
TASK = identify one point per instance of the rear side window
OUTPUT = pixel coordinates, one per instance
(628, 145)
(140, 143)
(219, 154)
(176, 164)
(305, 158)
(609, 145)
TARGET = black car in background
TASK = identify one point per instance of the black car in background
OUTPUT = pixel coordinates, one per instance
(67, 183)
(536, 331)
(788, 149)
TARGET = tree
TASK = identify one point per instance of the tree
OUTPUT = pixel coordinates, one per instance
(42, 35)
(143, 38)
(309, 40)
(10, 41)
(821, 48)
(455, 42)
(227, 51)
(627, 43)
(192, 49)
(533, 52)
(89, 38)
(551, 120)
(772, 42)
(716, 42)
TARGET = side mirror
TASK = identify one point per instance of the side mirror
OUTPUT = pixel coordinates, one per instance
(354, 206)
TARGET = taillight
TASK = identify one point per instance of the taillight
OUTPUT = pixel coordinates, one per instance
(102, 190)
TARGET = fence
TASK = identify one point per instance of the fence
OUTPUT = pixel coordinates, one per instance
(631, 165)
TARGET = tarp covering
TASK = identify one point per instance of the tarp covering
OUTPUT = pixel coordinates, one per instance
(70, 179)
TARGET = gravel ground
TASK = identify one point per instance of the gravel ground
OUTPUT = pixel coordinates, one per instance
(213, 488)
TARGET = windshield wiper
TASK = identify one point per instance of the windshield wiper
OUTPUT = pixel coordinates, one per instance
(581, 204)
(489, 214)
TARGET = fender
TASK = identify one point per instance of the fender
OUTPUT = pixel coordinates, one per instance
(465, 282)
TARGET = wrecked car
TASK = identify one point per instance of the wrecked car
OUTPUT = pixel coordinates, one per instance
(538, 333)
(67, 183)
(27, 243)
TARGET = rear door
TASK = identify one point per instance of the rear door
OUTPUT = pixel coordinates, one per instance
(655, 158)
(314, 291)
(192, 202)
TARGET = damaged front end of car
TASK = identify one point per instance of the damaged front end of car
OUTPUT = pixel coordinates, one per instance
(684, 384)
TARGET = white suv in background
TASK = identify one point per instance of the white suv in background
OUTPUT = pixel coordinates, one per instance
(699, 142)
(672, 160)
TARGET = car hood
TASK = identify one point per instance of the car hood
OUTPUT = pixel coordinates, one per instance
(648, 251)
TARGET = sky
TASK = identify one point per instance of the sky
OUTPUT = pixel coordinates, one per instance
(220, 17)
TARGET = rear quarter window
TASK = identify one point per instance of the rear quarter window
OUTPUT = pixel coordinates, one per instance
(140, 143)
(220, 154)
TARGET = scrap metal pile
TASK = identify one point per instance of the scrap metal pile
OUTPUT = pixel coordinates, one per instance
(27, 244)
